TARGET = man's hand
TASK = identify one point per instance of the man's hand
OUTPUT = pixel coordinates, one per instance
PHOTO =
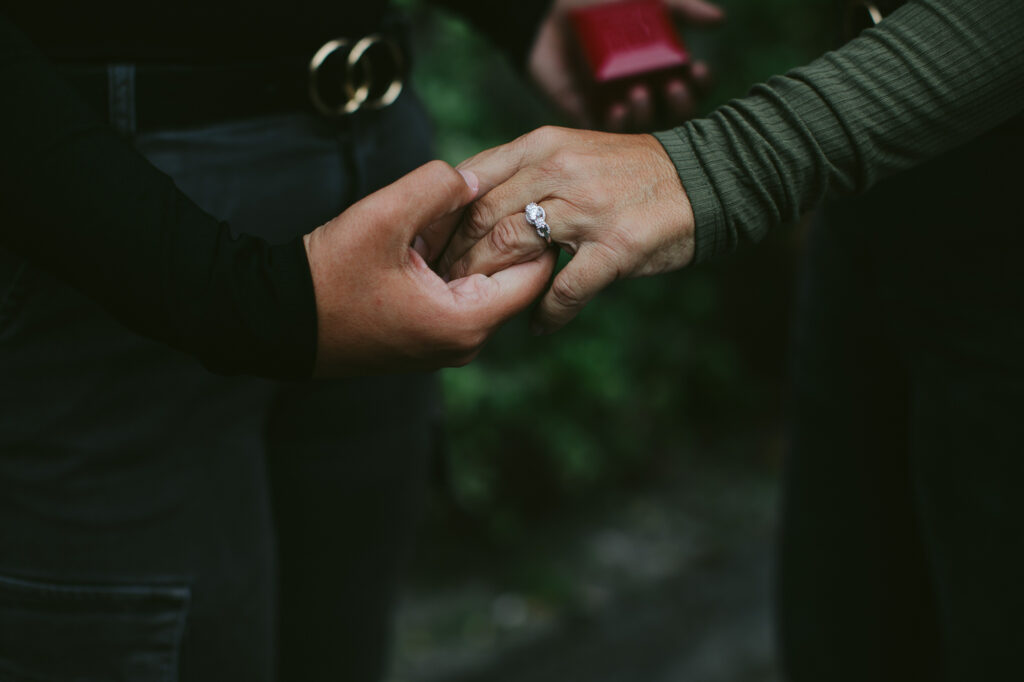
(551, 66)
(380, 307)
(614, 201)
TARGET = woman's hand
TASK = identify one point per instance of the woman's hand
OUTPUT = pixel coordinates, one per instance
(614, 201)
(551, 67)
(381, 308)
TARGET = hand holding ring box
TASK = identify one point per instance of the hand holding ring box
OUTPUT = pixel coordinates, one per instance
(624, 44)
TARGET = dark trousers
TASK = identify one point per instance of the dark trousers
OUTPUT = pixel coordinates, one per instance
(158, 522)
(903, 534)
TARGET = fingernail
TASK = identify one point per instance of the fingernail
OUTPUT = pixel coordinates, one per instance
(471, 179)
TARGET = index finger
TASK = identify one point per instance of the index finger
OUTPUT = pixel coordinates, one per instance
(490, 301)
(435, 236)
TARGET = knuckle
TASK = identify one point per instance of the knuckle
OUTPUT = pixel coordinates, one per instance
(439, 168)
(506, 237)
(442, 174)
(615, 240)
(479, 220)
(602, 203)
(610, 262)
(562, 162)
(439, 171)
(566, 292)
(541, 134)
(618, 243)
(546, 135)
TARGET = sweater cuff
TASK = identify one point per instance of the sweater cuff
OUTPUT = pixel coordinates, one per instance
(261, 317)
(711, 237)
(296, 352)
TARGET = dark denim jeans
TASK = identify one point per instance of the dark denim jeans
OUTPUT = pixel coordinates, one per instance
(158, 522)
(903, 534)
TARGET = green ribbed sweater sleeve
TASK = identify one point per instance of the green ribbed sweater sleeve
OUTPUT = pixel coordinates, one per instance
(929, 77)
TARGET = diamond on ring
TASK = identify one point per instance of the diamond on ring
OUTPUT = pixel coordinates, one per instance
(535, 215)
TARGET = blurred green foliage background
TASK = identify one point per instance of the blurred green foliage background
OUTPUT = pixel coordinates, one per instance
(655, 373)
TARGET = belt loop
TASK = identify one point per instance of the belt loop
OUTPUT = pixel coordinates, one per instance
(121, 97)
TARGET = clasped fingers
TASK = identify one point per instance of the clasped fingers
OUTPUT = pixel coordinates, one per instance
(514, 239)
(615, 201)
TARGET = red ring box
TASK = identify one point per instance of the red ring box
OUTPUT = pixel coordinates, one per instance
(623, 44)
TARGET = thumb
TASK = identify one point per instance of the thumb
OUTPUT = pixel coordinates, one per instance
(421, 198)
(490, 301)
(432, 238)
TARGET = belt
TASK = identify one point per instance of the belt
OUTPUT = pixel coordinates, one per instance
(342, 77)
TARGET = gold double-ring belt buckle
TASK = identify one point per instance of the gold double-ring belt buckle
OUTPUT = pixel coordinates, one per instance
(361, 84)
(360, 59)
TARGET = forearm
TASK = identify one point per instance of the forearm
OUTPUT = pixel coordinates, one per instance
(933, 75)
(79, 201)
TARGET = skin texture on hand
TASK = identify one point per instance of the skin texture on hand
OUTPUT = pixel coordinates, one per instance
(550, 64)
(614, 201)
(380, 308)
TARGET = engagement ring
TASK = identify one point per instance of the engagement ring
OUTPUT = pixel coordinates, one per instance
(535, 215)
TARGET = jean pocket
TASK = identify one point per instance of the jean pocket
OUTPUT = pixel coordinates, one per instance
(65, 633)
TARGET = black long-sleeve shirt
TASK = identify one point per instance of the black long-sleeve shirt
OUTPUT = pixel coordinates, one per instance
(78, 200)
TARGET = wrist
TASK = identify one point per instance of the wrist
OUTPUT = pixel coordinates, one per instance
(675, 211)
(312, 242)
